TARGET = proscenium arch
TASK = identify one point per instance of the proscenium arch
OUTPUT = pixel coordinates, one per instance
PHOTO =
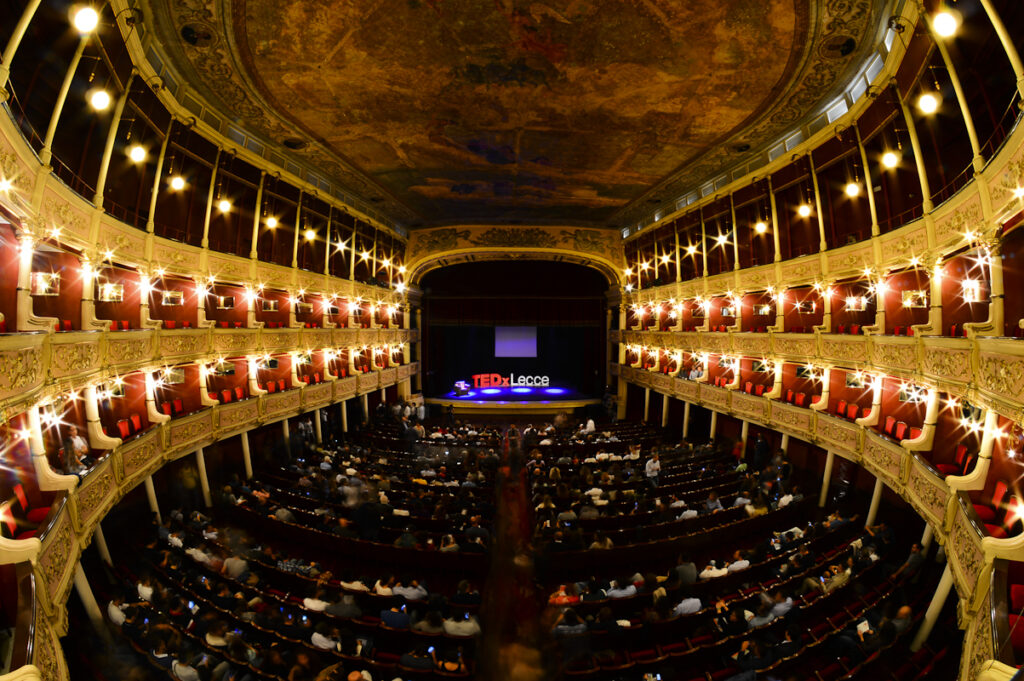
(420, 267)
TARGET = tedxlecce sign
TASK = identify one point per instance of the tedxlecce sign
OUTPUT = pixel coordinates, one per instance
(496, 380)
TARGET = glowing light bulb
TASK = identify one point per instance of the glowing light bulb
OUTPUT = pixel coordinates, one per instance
(99, 100)
(85, 20)
(310, 235)
(761, 227)
(137, 154)
(224, 206)
(5, 185)
(890, 159)
(804, 210)
(852, 190)
(177, 183)
(946, 23)
(271, 222)
(928, 103)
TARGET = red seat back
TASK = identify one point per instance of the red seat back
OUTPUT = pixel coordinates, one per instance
(999, 494)
(271, 387)
(851, 411)
(855, 329)
(280, 385)
(186, 325)
(170, 324)
(222, 325)
(842, 328)
(841, 408)
(789, 396)
(914, 433)
(124, 428)
(136, 422)
(890, 423)
(21, 497)
(800, 399)
(3, 326)
(901, 430)
(179, 406)
(759, 390)
(225, 395)
(166, 408)
(113, 326)
(239, 393)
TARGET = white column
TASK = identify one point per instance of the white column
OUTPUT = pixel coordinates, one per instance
(686, 419)
(151, 496)
(926, 538)
(934, 608)
(714, 424)
(101, 544)
(14, 42)
(344, 416)
(92, 609)
(246, 455)
(826, 478)
(204, 482)
(647, 404)
(316, 427)
(366, 406)
(784, 445)
(46, 153)
(876, 498)
(744, 434)
(664, 411)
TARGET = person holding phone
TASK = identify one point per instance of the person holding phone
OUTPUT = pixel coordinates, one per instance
(418, 658)
(396, 616)
(450, 662)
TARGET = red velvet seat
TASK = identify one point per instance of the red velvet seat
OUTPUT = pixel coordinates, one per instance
(124, 429)
(958, 467)
(239, 393)
(748, 388)
(136, 422)
(890, 424)
(842, 328)
(186, 325)
(170, 324)
(901, 431)
(987, 512)
(3, 326)
(271, 387)
(281, 385)
(179, 406)
(790, 395)
(914, 433)
(165, 407)
(855, 329)
(759, 390)
(851, 412)
(35, 516)
(238, 325)
(801, 398)
(841, 408)
(225, 396)
(10, 526)
(222, 325)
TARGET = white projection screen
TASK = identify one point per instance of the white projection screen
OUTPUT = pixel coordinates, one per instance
(515, 341)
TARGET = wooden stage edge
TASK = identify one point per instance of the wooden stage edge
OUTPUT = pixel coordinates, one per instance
(511, 407)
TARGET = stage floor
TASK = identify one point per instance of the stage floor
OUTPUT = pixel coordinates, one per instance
(521, 399)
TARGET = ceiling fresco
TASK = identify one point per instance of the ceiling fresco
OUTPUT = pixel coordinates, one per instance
(501, 111)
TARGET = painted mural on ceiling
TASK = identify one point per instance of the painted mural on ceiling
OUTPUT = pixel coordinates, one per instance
(563, 111)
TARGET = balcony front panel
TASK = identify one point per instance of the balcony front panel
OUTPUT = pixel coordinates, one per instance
(963, 549)
(344, 388)
(345, 338)
(947, 361)
(388, 377)
(750, 407)
(174, 256)
(190, 432)
(954, 218)
(183, 344)
(715, 342)
(368, 336)
(229, 268)
(140, 456)
(235, 342)
(886, 459)
(279, 339)
(686, 390)
(842, 348)
(75, 354)
(927, 491)
(236, 416)
(128, 349)
(796, 421)
(126, 242)
(752, 344)
(367, 382)
(96, 495)
(836, 434)
(899, 245)
(850, 259)
(754, 278)
(803, 270)
(316, 338)
(801, 347)
(897, 354)
(715, 398)
(662, 383)
(404, 371)
(55, 565)
(1000, 372)
(282, 404)
(22, 366)
(316, 396)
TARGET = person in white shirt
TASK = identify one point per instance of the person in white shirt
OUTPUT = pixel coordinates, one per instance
(317, 602)
(712, 571)
(590, 427)
(145, 589)
(412, 590)
(354, 585)
(383, 587)
(466, 625)
(325, 639)
(622, 588)
(115, 610)
(739, 562)
(687, 606)
(653, 470)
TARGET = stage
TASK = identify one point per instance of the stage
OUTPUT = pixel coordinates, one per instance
(518, 400)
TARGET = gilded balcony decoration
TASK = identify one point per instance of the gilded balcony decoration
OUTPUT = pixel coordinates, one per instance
(927, 490)
(852, 349)
(1001, 372)
(75, 353)
(850, 259)
(662, 383)
(963, 549)
(833, 433)
(56, 562)
(711, 396)
(190, 431)
(139, 456)
(345, 388)
(978, 641)
(751, 407)
(793, 420)
(317, 338)
(886, 459)
(315, 396)
(22, 364)
(388, 377)
(799, 346)
(368, 381)
(404, 372)
(752, 344)
(345, 337)
(282, 404)
(368, 336)
(130, 348)
(96, 495)
(229, 268)
(237, 415)
(947, 361)
(279, 339)
(895, 353)
(194, 342)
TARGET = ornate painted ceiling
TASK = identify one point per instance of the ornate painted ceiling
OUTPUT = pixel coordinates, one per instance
(577, 112)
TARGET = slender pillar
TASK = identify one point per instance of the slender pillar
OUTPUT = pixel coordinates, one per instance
(258, 217)
(868, 187)
(961, 98)
(1004, 38)
(664, 410)
(926, 538)
(775, 222)
(934, 608)
(284, 431)
(151, 496)
(915, 147)
(108, 150)
(744, 434)
(209, 200)
(735, 234)
(295, 241)
(158, 178)
(647, 403)
(316, 427)
(826, 478)
(344, 416)
(823, 246)
(366, 405)
(101, 545)
(246, 455)
(204, 482)
(876, 498)
(714, 424)
(92, 608)
(45, 154)
(784, 445)
(686, 420)
(15, 41)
